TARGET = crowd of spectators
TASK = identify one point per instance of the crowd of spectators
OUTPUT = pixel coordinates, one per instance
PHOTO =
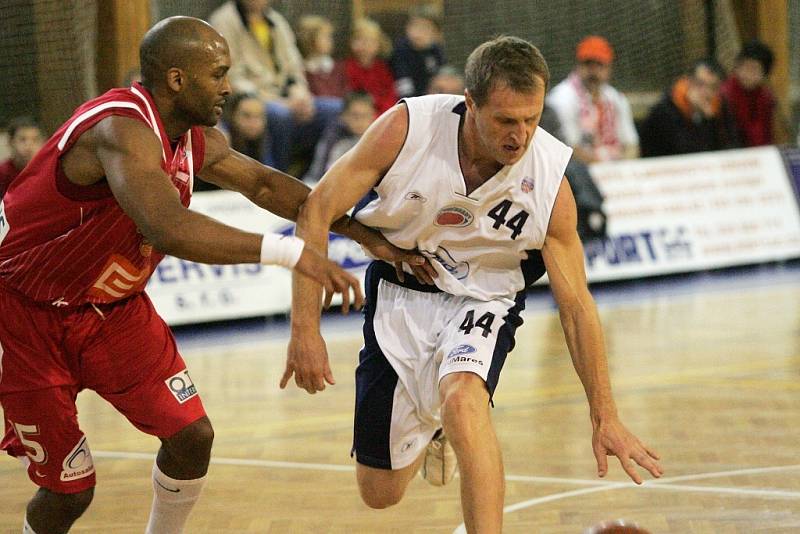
(297, 108)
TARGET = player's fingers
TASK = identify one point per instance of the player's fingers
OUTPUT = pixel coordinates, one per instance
(430, 270)
(329, 291)
(287, 374)
(422, 275)
(602, 460)
(329, 375)
(344, 287)
(358, 294)
(629, 465)
(398, 268)
(651, 452)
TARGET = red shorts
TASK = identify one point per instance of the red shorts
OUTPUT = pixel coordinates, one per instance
(124, 351)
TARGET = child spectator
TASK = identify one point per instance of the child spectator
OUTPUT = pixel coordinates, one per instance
(325, 76)
(366, 71)
(359, 112)
(25, 139)
(418, 55)
(749, 99)
(448, 81)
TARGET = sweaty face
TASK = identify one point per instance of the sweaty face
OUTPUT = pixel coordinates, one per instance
(507, 121)
(207, 87)
(24, 145)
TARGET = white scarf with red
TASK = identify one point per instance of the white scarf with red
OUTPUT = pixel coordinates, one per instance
(598, 122)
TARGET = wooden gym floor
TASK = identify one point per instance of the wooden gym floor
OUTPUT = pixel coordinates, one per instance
(707, 372)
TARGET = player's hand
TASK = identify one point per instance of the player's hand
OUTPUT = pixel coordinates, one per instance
(378, 247)
(610, 437)
(307, 360)
(333, 278)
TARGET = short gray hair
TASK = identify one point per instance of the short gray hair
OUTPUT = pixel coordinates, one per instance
(505, 59)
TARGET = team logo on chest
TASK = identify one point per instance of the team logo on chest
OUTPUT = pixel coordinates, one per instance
(527, 185)
(453, 216)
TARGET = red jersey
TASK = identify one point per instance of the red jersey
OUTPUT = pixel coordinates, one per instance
(377, 80)
(8, 171)
(67, 244)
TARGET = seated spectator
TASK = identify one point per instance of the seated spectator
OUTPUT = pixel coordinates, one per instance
(749, 99)
(596, 118)
(325, 76)
(588, 198)
(25, 140)
(244, 125)
(691, 116)
(418, 55)
(359, 112)
(366, 70)
(448, 81)
(266, 62)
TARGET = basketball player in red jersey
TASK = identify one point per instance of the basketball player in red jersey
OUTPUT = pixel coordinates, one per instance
(81, 231)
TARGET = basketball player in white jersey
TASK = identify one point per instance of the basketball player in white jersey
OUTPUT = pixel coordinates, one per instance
(474, 185)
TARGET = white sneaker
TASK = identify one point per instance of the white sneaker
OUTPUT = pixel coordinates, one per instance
(439, 465)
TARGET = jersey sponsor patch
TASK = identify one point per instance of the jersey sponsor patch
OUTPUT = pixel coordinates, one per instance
(78, 463)
(526, 185)
(181, 386)
(459, 269)
(4, 226)
(453, 216)
(120, 279)
(460, 354)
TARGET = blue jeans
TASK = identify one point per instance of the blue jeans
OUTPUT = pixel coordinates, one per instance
(287, 136)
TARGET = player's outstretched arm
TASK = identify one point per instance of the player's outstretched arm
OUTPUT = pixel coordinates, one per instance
(348, 180)
(282, 194)
(131, 159)
(563, 257)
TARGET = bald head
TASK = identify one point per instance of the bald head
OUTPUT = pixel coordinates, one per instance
(176, 42)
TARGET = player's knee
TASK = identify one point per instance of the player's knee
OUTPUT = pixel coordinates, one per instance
(195, 439)
(67, 506)
(379, 498)
(463, 402)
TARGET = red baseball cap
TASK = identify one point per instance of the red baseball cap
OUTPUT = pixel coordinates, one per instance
(595, 48)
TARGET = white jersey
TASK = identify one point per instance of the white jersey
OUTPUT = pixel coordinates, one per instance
(479, 241)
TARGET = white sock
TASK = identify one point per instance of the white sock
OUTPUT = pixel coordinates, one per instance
(172, 501)
(26, 528)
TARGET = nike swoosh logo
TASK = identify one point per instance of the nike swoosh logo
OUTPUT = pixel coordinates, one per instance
(168, 489)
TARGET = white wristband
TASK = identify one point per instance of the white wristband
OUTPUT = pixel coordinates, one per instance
(283, 250)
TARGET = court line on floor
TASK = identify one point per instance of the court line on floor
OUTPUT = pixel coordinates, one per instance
(661, 484)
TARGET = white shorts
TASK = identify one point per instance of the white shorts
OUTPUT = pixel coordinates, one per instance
(413, 336)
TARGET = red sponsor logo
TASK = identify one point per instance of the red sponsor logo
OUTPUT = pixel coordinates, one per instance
(454, 216)
(119, 279)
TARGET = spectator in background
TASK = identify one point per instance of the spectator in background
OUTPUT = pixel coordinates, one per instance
(25, 140)
(245, 127)
(691, 116)
(358, 113)
(448, 81)
(325, 76)
(596, 118)
(749, 99)
(418, 55)
(266, 62)
(365, 68)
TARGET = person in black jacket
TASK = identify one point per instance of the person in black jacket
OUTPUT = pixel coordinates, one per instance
(691, 116)
(418, 56)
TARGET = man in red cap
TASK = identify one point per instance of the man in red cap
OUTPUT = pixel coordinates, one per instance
(596, 119)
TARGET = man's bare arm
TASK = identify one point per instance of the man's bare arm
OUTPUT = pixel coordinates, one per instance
(563, 258)
(348, 180)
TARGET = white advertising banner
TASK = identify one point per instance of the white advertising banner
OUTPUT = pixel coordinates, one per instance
(694, 212)
(188, 292)
(665, 215)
